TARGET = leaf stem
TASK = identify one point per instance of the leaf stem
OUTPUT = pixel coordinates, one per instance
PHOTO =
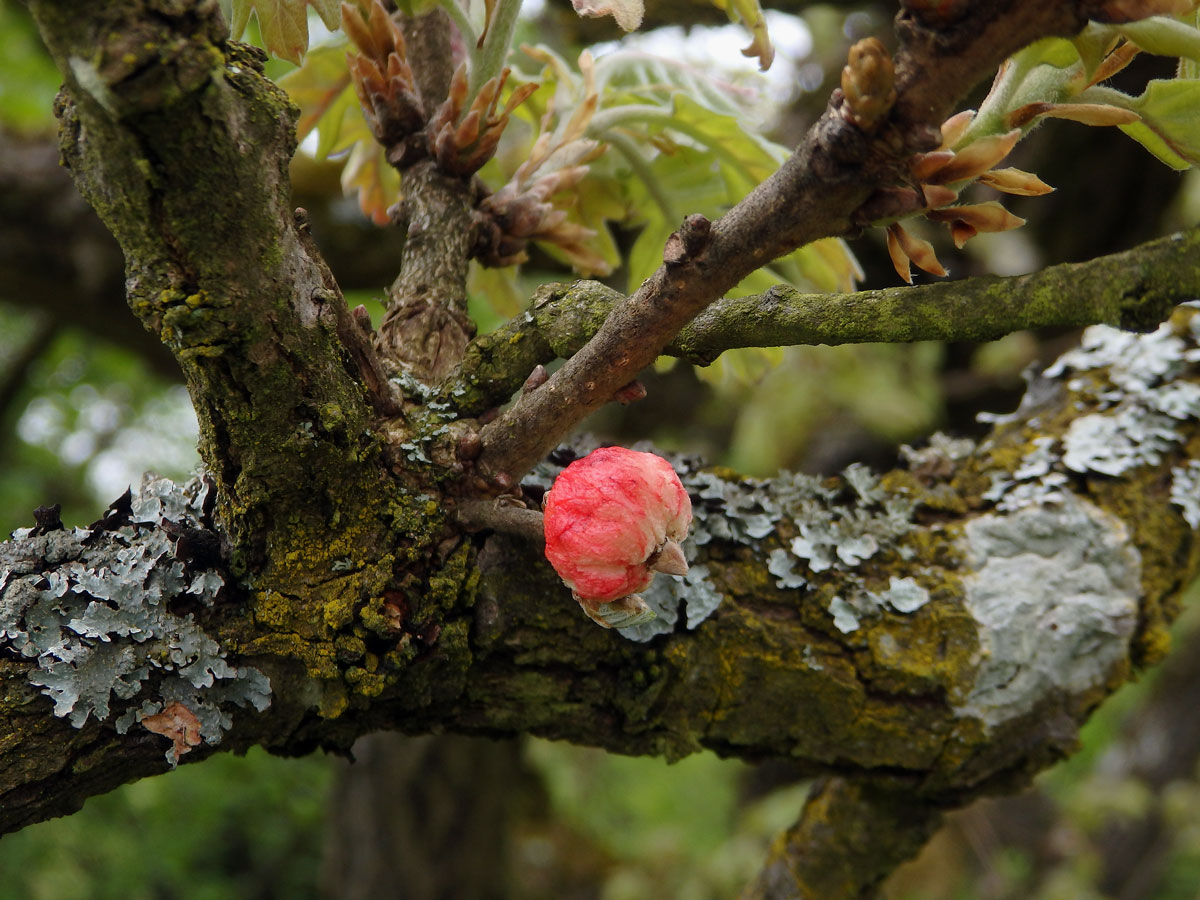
(488, 60)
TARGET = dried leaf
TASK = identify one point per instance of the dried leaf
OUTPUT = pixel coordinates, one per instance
(961, 232)
(990, 216)
(938, 195)
(179, 724)
(1115, 62)
(628, 13)
(918, 250)
(925, 165)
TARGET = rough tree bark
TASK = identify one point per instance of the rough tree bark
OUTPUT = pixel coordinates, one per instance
(921, 638)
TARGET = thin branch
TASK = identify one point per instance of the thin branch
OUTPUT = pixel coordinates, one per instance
(815, 193)
(1135, 289)
(492, 515)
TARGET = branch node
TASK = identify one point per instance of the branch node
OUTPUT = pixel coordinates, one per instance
(689, 241)
(536, 379)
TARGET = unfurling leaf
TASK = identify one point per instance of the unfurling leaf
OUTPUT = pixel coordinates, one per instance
(1016, 181)
(904, 246)
(987, 217)
(1084, 113)
(750, 14)
(284, 23)
(1170, 127)
(975, 158)
(377, 184)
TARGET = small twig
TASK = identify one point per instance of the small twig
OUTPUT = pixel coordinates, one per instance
(814, 194)
(1134, 289)
(492, 515)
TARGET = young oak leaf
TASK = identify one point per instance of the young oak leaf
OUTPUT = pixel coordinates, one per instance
(284, 23)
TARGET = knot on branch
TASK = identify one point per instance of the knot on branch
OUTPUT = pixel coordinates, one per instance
(691, 240)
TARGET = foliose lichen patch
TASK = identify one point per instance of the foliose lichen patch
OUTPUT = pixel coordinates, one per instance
(1054, 589)
(1185, 491)
(99, 624)
(1130, 382)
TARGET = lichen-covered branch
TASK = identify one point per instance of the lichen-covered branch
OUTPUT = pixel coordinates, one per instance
(823, 189)
(181, 144)
(1135, 289)
(850, 837)
(941, 630)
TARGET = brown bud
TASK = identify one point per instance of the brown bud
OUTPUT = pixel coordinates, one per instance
(361, 318)
(470, 445)
(1115, 11)
(868, 84)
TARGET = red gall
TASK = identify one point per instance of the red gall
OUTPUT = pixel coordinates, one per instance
(613, 519)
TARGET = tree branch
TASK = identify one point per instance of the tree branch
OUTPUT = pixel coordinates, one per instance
(869, 628)
(1135, 289)
(818, 192)
(848, 840)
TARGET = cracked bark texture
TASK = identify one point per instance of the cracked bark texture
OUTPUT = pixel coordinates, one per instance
(349, 587)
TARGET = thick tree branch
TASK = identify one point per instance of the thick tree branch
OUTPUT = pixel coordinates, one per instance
(941, 631)
(158, 117)
(1135, 289)
(822, 190)
(849, 839)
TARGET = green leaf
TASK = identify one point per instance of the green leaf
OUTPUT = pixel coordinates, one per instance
(368, 173)
(1170, 126)
(322, 90)
(284, 23)
(1164, 37)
